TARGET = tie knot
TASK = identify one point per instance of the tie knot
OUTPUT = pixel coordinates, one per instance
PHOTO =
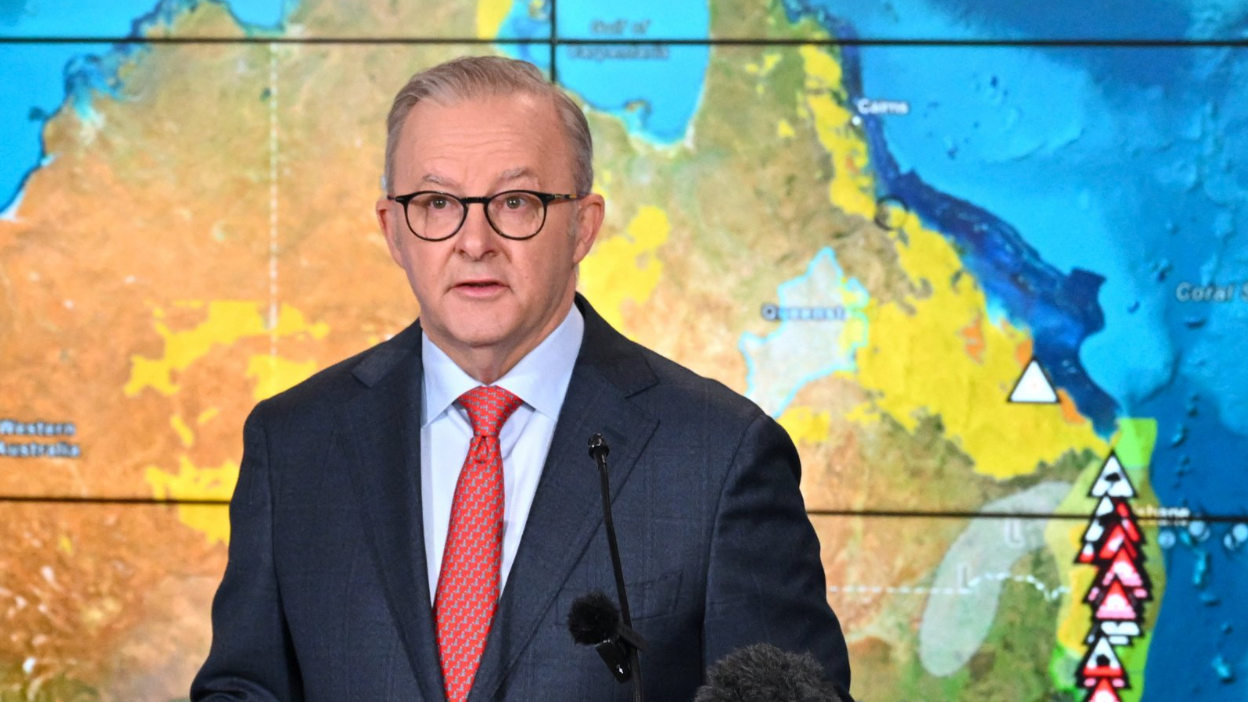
(488, 408)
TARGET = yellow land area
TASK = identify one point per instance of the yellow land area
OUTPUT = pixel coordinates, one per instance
(939, 348)
(806, 425)
(769, 63)
(193, 482)
(274, 374)
(625, 267)
(182, 430)
(770, 60)
(921, 353)
(490, 16)
(227, 322)
(1065, 540)
(851, 189)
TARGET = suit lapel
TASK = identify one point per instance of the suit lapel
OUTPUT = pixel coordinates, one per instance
(383, 438)
(567, 508)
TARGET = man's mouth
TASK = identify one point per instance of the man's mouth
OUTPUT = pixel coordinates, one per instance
(478, 288)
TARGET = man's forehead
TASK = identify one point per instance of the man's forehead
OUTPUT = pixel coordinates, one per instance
(518, 174)
(500, 139)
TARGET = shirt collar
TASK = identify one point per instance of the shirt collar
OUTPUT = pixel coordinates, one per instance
(540, 378)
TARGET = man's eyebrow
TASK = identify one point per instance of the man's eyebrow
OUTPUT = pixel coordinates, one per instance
(508, 175)
(516, 174)
(436, 179)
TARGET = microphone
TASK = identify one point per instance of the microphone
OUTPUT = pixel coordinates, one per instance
(764, 673)
(598, 450)
(594, 619)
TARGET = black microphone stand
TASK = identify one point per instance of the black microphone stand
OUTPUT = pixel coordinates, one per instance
(598, 450)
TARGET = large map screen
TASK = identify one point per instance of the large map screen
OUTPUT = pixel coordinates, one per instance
(985, 261)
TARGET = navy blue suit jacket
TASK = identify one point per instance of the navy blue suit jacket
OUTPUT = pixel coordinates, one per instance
(326, 597)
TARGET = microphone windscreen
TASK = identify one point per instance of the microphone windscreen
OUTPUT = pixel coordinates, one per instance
(594, 618)
(764, 673)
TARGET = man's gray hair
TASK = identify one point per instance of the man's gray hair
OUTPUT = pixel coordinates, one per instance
(490, 76)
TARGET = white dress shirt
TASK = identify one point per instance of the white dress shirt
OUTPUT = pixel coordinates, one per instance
(541, 380)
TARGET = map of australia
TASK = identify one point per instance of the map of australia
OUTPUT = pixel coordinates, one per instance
(977, 282)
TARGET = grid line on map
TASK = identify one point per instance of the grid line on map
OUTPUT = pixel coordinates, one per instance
(868, 513)
(273, 211)
(554, 41)
(673, 41)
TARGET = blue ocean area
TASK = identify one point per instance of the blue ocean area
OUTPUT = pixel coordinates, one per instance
(261, 14)
(40, 78)
(1084, 187)
(1060, 309)
(654, 88)
(527, 22)
(993, 19)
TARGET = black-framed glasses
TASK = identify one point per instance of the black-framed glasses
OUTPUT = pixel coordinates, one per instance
(515, 214)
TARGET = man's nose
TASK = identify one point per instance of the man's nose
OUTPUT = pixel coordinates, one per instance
(476, 238)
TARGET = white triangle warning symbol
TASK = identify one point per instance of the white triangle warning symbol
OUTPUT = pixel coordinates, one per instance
(1112, 481)
(1034, 387)
(1095, 528)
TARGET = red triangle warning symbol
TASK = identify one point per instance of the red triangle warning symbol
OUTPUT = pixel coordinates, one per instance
(1117, 540)
(1104, 692)
(1116, 605)
(1126, 517)
(1125, 570)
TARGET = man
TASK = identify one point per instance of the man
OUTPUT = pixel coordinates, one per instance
(414, 523)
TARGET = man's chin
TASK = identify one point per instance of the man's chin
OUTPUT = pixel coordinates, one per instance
(468, 330)
(481, 340)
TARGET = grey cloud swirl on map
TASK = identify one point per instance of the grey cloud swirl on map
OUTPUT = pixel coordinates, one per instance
(966, 590)
(1061, 311)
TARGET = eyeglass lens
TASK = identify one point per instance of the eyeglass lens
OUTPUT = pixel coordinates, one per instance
(513, 214)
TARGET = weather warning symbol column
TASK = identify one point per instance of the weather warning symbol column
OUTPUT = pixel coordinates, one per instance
(1112, 544)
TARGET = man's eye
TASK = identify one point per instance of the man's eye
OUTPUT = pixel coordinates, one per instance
(514, 202)
(438, 203)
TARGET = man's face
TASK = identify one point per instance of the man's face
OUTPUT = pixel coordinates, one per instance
(486, 300)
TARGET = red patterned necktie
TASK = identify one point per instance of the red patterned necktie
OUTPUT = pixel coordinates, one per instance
(468, 583)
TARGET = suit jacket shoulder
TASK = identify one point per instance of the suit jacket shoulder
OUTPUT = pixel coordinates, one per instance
(728, 556)
(652, 378)
(335, 384)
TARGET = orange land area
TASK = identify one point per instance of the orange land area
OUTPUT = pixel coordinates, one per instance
(201, 241)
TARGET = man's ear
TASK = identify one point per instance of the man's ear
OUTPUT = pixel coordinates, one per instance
(387, 220)
(590, 212)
